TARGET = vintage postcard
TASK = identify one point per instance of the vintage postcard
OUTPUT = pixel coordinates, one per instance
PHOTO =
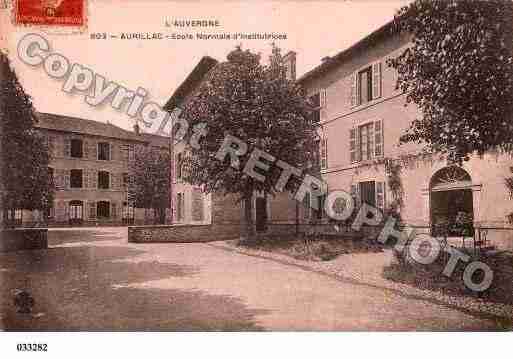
(319, 166)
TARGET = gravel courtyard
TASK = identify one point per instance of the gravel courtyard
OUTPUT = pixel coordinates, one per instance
(92, 279)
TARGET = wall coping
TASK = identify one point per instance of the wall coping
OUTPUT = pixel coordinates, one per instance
(168, 226)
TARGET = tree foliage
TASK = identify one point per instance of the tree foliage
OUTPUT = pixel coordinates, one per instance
(25, 179)
(149, 183)
(459, 72)
(260, 106)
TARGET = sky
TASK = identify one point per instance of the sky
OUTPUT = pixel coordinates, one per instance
(314, 30)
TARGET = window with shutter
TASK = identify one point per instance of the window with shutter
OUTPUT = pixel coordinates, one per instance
(353, 145)
(378, 138)
(376, 80)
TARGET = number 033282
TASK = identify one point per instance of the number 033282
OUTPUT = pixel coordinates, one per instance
(24, 347)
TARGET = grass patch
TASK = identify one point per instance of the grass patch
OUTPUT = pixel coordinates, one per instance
(430, 277)
(315, 248)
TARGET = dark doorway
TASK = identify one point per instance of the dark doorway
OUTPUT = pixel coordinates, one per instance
(368, 192)
(452, 211)
(261, 214)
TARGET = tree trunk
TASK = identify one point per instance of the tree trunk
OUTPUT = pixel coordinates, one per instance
(248, 217)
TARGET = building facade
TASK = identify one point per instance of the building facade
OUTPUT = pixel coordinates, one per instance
(361, 116)
(90, 169)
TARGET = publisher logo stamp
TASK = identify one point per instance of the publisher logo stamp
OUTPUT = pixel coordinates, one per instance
(50, 12)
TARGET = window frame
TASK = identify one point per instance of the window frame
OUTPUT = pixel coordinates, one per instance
(99, 205)
(71, 147)
(99, 152)
(71, 182)
(100, 181)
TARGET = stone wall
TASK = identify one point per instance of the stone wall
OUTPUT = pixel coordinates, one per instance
(179, 233)
(23, 239)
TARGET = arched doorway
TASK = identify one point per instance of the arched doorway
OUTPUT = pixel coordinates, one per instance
(452, 207)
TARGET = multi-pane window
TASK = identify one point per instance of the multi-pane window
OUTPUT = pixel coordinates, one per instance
(76, 179)
(76, 210)
(104, 151)
(366, 141)
(366, 85)
(103, 209)
(103, 180)
(76, 148)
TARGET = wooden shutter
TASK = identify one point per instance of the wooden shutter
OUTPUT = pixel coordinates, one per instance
(306, 205)
(376, 80)
(380, 195)
(94, 150)
(354, 90)
(67, 179)
(85, 146)
(67, 147)
(322, 94)
(92, 210)
(378, 139)
(353, 144)
(355, 193)
(324, 152)
(94, 179)
(113, 210)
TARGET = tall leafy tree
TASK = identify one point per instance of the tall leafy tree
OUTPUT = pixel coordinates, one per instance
(257, 104)
(149, 184)
(25, 179)
(459, 72)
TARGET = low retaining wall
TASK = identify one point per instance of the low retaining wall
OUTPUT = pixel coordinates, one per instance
(183, 233)
(23, 239)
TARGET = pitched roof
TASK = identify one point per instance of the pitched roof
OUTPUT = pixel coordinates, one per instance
(192, 80)
(155, 140)
(56, 122)
(331, 62)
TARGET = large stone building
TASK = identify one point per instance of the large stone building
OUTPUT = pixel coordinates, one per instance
(89, 165)
(361, 116)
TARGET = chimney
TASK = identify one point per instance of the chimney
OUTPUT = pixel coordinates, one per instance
(289, 61)
(137, 129)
